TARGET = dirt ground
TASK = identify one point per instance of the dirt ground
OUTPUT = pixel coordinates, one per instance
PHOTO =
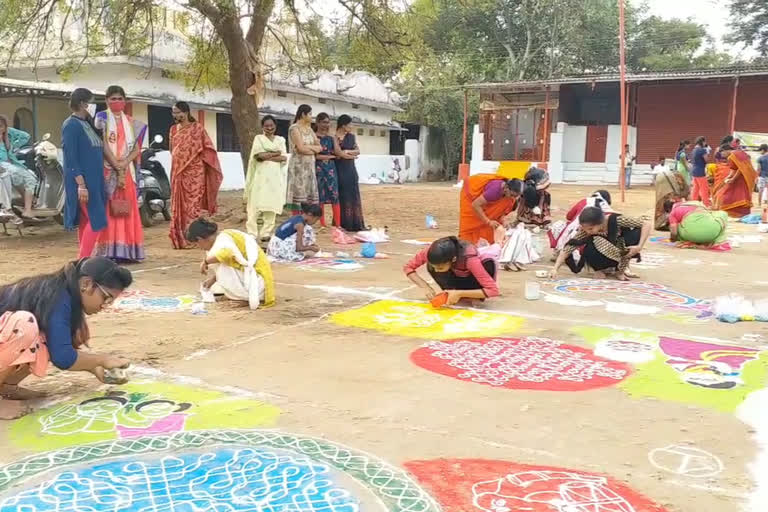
(359, 387)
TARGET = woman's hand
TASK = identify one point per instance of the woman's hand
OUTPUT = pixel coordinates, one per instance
(634, 250)
(209, 282)
(429, 293)
(204, 267)
(82, 193)
(454, 296)
(553, 273)
(494, 224)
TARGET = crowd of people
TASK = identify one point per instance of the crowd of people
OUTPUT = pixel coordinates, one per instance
(43, 318)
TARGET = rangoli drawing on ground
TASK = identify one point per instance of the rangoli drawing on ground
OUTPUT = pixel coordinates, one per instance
(520, 363)
(328, 265)
(631, 297)
(232, 470)
(686, 461)
(141, 300)
(653, 260)
(137, 410)
(465, 485)
(423, 321)
(713, 375)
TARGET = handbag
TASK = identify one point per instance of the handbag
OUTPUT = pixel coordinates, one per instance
(119, 207)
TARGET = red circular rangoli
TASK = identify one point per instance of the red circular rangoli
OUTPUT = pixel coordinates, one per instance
(479, 485)
(520, 363)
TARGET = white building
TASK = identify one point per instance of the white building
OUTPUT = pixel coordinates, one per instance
(37, 102)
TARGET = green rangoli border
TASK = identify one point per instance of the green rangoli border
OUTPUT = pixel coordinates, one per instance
(397, 491)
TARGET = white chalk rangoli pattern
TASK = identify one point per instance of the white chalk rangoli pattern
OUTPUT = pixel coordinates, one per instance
(222, 470)
(561, 491)
(530, 359)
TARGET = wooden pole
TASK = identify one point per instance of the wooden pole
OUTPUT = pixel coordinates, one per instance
(464, 136)
(623, 96)
(732, 123)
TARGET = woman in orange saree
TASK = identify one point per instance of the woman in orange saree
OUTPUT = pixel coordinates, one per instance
(195, 173)
(734, 182)
(485, 202)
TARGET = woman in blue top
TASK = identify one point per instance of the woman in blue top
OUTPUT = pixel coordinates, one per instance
(43, 319)
(294, 240)
(86, 197)
(21, 178)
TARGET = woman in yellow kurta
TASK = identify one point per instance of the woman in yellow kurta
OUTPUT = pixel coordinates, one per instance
(243, 272)
(267, 180)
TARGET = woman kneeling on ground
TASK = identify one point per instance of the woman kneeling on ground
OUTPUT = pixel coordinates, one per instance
(43, 318)
(294, 240)
(693, 222)
(243, 272)
(458, 268)
(609, 242)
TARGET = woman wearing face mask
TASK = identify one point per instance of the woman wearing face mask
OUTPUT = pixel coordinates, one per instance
(265, 185)
(123, 240)
(83, 149)
(325, 169)
(42, 319)
(195, 173)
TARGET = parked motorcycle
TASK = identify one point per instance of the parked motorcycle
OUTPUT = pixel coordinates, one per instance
(42, 158)
(154, 186)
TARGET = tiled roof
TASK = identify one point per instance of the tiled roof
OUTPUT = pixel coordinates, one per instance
(631, 77)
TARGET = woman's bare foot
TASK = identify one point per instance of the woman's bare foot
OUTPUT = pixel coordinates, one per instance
(599, 275)
(630, 274)
(622, 277)
(18, 393)
(12, 409)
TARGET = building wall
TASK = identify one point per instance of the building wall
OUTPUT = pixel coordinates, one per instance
(51, 113)
(751, 105)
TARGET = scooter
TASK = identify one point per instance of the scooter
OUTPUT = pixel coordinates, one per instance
(154, 186)
(42, 159)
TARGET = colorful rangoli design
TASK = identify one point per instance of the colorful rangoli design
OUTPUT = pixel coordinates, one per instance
(657, 297)
(137, 410)
(715, 375)
(140, 300)
(423, 321)
(520, 363)
(232, 470)
(475, 485)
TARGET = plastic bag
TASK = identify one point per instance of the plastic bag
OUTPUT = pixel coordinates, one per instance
(341, 238)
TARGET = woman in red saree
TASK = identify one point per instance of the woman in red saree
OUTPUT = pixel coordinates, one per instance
(734, 182)
(195, 173)
(485, 202)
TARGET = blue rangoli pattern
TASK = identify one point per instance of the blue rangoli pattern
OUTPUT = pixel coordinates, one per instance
(218, 480)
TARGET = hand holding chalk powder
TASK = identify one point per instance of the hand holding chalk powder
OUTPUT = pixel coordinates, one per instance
(116, 376)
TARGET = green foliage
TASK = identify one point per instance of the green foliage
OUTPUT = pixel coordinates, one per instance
(208, 67)
(750, 24)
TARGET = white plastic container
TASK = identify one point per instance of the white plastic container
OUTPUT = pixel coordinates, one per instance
(532, 290)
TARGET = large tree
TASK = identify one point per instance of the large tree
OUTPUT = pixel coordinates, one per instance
(749, 22)
(226, 38)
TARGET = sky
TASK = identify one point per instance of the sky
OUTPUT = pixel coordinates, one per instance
(705, 12)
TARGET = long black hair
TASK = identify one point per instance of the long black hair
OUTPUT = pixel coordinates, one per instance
(301, 111)
(184, 107)
(603, 194)
(682, 145)
(79, 95)
(200, 229)
(591, 216)
(515, 185)
(39, 295)
(343, 121)
(444, 250)
(701, 141)
(116, 89)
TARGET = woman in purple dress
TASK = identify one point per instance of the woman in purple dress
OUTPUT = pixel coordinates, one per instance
(349, 191)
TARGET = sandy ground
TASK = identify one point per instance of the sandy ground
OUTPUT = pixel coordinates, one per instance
(359, 387)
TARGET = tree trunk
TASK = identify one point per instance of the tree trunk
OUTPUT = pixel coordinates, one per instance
(245, 111)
